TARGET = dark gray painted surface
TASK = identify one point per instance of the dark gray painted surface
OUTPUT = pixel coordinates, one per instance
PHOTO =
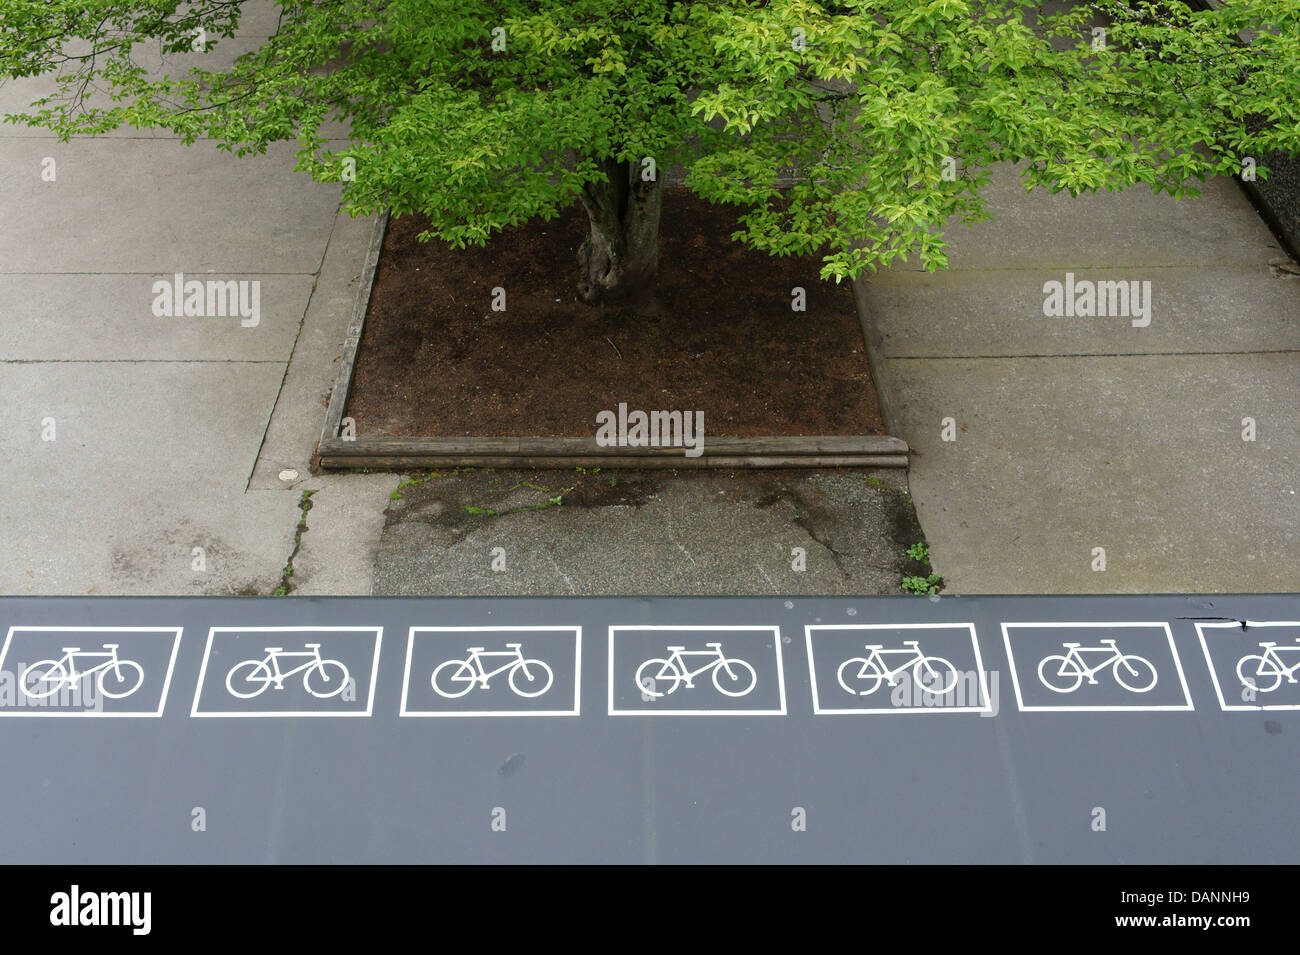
(909, 782)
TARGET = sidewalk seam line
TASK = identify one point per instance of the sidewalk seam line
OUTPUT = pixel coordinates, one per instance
(140, 361)
(302, 323)
(191, 272)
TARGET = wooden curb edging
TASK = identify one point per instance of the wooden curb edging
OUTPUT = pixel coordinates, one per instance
(816, 451)
(335, 451)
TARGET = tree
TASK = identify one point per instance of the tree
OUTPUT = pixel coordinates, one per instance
(857, 129)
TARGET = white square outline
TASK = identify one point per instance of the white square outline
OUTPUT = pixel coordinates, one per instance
(1214, 674)
(577, 673)
(272, 714)
(780, 670)
(1059, 624)
(167, 679)
(975, 644)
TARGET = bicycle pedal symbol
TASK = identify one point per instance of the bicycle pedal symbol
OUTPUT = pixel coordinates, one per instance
(321, 678)
(659, 677)
(1066, 672)
(931, 674)
(1265, 672)
(526, 677)
(115, 677)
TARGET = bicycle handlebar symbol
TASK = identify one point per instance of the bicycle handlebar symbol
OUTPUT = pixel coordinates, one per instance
(1132, 672)
(114, 677)
(731, 675)
(872, 670)
(321, 678)
(470, 672)
(1255, 670)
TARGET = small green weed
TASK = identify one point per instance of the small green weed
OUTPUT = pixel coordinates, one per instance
(923, 585)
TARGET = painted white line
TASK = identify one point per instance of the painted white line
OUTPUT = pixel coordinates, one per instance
(268, 714)
(405, 709)
(1214, 673)
(775, 631)
(985, 706)
(1099, 624)
(162, 698)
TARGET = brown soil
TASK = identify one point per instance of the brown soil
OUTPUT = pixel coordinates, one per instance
(721, 338)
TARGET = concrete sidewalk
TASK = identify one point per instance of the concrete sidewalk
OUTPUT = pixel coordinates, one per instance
(690, 532)
(1075, 433)
(143, 453)
(170, 435)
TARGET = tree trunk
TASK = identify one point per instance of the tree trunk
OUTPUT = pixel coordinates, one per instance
(620, 255)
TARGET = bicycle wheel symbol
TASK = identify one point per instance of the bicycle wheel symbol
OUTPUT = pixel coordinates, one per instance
(248, 679)
(1060, 673)
(652, 678)
(531, 680)
(115, 685)
(327, 679)
(734, 678)
(1259, 673)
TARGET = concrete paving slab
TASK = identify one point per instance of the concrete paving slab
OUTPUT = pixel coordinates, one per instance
(1142, 456)
(139, 540)
(18, 94)
(158, 207)
(299, 414)
(344, 526)
(130, 425)
(80, 317)
(1131, 229)
(258, 18)
(992, 313)
(649, 533)
(149, 460)
(160, 419)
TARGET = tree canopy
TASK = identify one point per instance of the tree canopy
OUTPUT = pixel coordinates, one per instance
(854, 129)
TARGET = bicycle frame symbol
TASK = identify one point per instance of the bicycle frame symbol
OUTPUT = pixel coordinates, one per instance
(115, 678)
(461, 676)
(731, 675)
(321, 678)
(1255, 670)
(1065, 672)
(931, 674)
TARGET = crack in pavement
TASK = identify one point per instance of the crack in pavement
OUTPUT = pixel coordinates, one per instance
(285, 586)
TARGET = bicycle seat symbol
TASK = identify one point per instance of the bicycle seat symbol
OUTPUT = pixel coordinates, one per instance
(115, 678)
(321, 678)
(932, 674)
(1065, 672)
(657, 677)
(527, 677)
(1264, 672)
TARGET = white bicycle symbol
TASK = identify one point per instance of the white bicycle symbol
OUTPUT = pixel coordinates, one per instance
(1068, 670)
(1256, 669)
(470, 672)
(731, 676)
(321, 678)
(114, 677)
(932, 674)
